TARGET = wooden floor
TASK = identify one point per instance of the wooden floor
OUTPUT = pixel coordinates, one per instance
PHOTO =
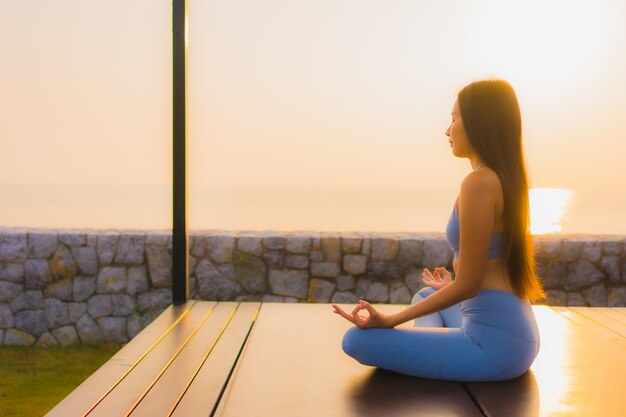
(250, 359)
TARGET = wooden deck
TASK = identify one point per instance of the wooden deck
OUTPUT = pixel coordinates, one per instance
(251, 359)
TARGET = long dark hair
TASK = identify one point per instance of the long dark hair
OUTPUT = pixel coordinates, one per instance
(493, 123)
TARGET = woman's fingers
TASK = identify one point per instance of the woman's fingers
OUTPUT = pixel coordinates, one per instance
(355, 317)
(364, 304)
(375, 319)
(427, 274)
(361, 321)
(372, 319)
(442, 273)
(429, 282)
(343, 314)
(356, 310)
(439, 278)
(429, 279)
(368, 307)
(339, 311)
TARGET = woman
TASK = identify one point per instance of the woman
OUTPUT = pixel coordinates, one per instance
(479, 326)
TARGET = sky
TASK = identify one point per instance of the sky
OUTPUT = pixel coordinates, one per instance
(338, 96)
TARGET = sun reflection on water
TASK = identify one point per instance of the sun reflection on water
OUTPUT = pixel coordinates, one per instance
(547, 207)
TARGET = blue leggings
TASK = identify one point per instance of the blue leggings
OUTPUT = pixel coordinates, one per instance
(490, 337)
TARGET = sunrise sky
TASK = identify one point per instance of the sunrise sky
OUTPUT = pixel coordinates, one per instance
(335, 107)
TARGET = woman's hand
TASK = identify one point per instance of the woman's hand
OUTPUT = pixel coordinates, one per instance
(374, 319)
(438, 280)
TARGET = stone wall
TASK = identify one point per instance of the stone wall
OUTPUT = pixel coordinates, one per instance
(63, 287)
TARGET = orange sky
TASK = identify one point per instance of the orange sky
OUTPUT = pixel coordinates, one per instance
(351, 94)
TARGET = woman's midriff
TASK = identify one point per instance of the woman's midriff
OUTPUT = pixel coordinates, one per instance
(496, 276)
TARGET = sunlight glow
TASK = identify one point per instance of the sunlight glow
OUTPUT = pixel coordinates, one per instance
(547, 206)
(546, 41)
(553, 378)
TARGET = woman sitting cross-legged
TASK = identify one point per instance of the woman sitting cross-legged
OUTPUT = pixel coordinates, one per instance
(479, 326)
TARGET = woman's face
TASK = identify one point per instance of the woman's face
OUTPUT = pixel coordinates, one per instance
(457, 137)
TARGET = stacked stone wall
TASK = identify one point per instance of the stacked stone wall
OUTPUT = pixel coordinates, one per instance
(64, 287)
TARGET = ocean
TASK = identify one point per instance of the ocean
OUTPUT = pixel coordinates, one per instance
(289, 209)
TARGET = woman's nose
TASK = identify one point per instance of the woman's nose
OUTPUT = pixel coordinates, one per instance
(448, 132)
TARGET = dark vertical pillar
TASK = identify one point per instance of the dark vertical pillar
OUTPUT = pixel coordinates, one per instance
(180, 235)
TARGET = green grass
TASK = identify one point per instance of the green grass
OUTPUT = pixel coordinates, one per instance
(33, 380)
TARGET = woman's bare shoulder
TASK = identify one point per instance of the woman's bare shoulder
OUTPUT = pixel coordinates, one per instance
(483, 184)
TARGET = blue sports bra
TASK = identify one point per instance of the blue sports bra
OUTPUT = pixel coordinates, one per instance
(453, 234)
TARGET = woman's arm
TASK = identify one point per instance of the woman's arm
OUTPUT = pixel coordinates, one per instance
(476, 217)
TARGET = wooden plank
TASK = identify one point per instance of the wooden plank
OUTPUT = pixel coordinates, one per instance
(621, 310)
(614, 313)
(601, 319)
(519, 397)
(293, 365)
(80, 401)
(570, 377)
(583, 321)
(175, 380)
(149, 337)
(219, 407)
(206, 388)
(121, 400)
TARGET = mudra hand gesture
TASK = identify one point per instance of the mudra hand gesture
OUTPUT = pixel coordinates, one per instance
(374, 319)
(438, 280)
